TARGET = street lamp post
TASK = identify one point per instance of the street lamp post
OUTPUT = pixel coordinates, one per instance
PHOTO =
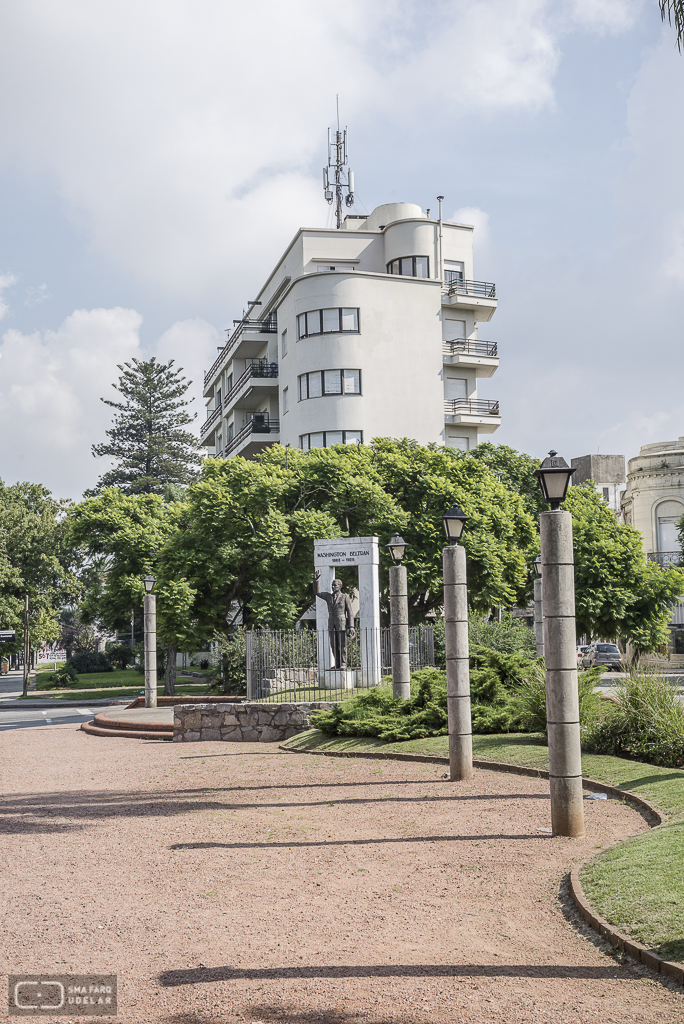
(456, 645)
(150, 628)
(399, 627)
(562, 699)
(538, 608)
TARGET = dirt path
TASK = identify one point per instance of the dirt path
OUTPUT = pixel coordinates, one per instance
(235, 882)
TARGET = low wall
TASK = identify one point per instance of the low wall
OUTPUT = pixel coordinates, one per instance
(243, 723)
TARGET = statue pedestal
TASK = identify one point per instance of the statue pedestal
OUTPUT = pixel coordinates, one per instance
(340, 678)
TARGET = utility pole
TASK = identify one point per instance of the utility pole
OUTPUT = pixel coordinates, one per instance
(334, 174)
(27, 645)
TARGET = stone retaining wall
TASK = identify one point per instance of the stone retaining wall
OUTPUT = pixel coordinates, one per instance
(243, 723)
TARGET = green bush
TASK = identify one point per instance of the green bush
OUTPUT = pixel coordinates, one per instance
(529, 698)
(510, 636)
(90, 661)
(120, 655)
(645, 721)
(63, 678)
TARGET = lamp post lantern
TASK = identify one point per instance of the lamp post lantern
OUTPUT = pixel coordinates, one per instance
(538, 608)
(150, 630)
(562, 699)
(456, 646)
(399, 628)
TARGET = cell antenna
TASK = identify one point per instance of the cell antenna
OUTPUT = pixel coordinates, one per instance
(334, 174)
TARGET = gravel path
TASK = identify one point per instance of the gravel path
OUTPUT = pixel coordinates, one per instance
(227, 882)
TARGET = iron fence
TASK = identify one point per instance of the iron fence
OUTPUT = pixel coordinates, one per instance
(292, 665)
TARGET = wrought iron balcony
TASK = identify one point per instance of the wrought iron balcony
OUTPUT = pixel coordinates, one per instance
(471, 407)
(471, 348)
(269, 326)
(256, 368)
(666, 558)
(210, 420)
(260, 423)
(478, 289)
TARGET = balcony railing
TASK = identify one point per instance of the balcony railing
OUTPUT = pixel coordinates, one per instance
(471, 348)
(666, 558)
(471, 407)
(269, 326)
(260, 423)
(211, 418)
(479, 289)
(256, 368)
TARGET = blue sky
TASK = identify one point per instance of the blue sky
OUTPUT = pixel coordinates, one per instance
(156, 158)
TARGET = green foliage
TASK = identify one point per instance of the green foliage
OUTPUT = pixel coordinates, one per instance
(120, 655)
(508, 636)
(516, 471)
(673, 10)
(618, 593)
(147, 437)
(529, 698)
(646, 722)
(65, 676)
(231, 650)
(90, 661)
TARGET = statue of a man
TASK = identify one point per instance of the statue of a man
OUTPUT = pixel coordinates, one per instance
(340, 619)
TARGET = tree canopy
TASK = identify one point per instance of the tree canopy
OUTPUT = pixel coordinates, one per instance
(673, 10)
(147, 439)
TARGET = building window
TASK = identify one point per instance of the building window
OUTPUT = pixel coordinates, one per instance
(455, 388)
(410, 266)
(455, 441)
(327, 438)
(286, 399)
(218, 399)
(606, 495)
(453, 271)
(336, 266)
(229, 383)
(327, 321)
(283, 346)
(329, 382)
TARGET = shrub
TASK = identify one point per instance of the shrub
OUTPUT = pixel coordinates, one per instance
(86, 662)
(645, 721)
(509, 636)
(62, 678)
(120, 655)
(529, 698)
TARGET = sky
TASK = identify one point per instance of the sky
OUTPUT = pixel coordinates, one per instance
(156, 158)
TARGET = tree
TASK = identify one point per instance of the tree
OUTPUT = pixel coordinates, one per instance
(673, 10)
(147, 437)
(618, 592)
(513, 469)
(35, 560)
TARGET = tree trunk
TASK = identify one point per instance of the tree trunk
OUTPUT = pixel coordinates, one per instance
(170, 672)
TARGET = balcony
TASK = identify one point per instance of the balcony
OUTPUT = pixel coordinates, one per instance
(245, 341)
(209, 425)
(666, 558)
(478, 296)
(480, 413)
(259, 431)
(260, 378)
(482, 355)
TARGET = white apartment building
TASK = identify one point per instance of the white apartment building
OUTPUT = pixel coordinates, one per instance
(367, 330)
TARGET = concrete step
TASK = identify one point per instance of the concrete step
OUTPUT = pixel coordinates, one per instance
(133, 734)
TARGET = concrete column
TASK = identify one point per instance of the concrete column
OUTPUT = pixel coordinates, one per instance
(150, 651)
(538, 617)
(27, 645)
(399, 632)
(562, 700)
(457, 665)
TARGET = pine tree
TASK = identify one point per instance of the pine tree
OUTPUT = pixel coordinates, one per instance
(147, 437)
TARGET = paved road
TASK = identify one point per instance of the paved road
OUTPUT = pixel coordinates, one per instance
(11, 686)
(20, 718)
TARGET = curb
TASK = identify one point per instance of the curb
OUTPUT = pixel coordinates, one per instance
(622, 942)
(103, 721)
(38, 705)
(94, 730)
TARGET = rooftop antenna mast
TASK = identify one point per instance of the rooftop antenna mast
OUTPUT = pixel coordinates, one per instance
(334, 174)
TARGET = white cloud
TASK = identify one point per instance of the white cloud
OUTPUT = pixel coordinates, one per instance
(51, 411)
(478, 218)
(6, 281)
(193, 345)
(612, 16)
(36, 295)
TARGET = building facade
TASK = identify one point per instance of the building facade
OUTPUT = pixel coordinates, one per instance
(653, 500)
(607, 473)
(370, 330)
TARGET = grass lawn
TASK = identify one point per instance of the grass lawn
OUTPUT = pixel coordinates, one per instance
(129, 692)
(638, 884)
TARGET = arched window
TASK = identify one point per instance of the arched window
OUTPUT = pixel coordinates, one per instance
(410, 266)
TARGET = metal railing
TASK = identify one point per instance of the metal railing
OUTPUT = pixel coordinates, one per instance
(471, 348)
(479, 289)
(211, 418)
(269, 326)
(260, 423)
(471, 407)
(291, 665)
(666, 558)
(257, 368)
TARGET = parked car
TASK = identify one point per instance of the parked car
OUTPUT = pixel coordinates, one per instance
(602, 655)
(581, 651)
